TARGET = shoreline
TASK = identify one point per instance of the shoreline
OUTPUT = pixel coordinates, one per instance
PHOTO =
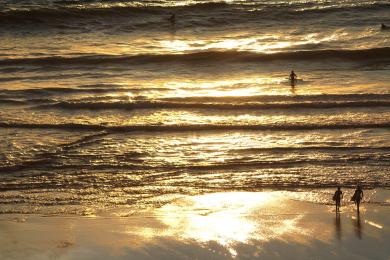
(224, 225)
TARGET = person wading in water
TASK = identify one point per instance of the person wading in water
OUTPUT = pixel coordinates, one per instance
(293, 78)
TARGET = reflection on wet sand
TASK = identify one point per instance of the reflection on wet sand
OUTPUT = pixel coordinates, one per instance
(240, 225)
(252, 220)
(233, 218)
(357, 225)
(338, 226)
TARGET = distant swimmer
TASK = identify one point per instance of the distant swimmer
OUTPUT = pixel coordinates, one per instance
(172, 19)
(293, 78)
(384, 26)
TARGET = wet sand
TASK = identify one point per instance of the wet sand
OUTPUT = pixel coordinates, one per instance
(240, 225)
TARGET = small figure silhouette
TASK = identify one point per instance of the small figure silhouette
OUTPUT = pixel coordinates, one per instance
(357, 196)
(338, 195)
(293, 78)
(172, 19)
(384, 26)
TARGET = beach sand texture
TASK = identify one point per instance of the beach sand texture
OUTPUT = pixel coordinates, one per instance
(234, 225)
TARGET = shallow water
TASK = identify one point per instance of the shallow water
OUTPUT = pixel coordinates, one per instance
(110, 104)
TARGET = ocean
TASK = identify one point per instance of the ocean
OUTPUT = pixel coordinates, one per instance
(109, 104)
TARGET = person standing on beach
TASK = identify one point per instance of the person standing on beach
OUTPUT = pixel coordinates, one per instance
(338, 195)
(293, 78)
(357, 197)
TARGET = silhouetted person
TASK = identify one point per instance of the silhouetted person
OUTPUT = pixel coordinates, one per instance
(293, 78)
(338, 195)
(357, 196)
(384, 26)
(172, 19)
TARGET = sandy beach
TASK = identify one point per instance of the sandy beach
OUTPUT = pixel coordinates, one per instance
(230, 225)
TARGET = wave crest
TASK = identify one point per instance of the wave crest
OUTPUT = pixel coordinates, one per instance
(206, 56)
(188, 127)
(62, 11)
(219, 106)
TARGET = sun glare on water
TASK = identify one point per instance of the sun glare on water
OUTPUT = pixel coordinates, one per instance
(243, 44)
(268, 43)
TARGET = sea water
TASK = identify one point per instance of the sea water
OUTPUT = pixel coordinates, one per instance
(109, 103)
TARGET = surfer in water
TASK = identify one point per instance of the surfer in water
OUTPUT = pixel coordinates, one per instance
(384, 26)
(357, 196)
(172, 19)
(293, 78)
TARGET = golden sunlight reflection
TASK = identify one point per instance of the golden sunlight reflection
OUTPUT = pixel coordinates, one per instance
(269, 43)
(248, 44)
(228, 218)
(217, 86)
(372, 223)
(252, 85)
